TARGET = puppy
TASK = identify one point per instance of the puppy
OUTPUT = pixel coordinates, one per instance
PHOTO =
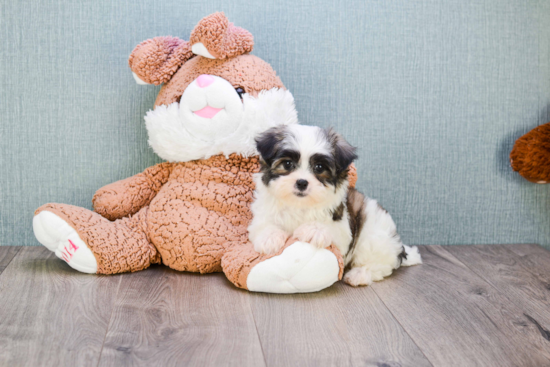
(303, 190)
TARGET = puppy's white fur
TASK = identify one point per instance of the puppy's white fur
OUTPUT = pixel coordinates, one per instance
(306, 217)
(378, 247)
(279, 213)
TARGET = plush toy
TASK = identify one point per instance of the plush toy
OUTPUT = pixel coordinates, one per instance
(531, 155)
(191, 213)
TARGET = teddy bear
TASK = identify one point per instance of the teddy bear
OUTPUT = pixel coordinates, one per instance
(191, 212)
(530, 156)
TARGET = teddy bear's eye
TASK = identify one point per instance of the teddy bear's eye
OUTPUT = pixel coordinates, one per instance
(240, 91)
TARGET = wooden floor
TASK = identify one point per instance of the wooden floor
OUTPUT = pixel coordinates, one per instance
(465, 306)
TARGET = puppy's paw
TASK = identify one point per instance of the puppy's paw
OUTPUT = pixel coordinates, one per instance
(314, 233)
(270, 241)
(358, 276)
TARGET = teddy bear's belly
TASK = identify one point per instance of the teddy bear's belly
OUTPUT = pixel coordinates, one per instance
(193, 222)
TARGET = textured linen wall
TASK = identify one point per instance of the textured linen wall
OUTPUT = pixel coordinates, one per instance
(433, 92)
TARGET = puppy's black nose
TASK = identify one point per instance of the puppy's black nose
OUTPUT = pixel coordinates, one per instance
(301, 184)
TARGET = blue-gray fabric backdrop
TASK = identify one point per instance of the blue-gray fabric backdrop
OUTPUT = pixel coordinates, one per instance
(433, 92)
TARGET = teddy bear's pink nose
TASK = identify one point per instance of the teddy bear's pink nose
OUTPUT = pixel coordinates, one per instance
(205, 80)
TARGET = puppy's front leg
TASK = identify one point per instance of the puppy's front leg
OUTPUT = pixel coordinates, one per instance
(269, 239)
(314, 233)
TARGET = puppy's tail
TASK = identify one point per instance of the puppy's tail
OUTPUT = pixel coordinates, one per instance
(410, 256)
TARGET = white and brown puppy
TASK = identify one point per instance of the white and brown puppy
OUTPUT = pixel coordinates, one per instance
(303, 190)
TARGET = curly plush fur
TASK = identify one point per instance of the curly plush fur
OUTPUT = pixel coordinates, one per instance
(192, 212)
(221, 38)
(530, 156)
(155, 60)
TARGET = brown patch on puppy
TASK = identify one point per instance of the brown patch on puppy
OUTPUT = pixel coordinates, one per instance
(355, 204)
(338, 213)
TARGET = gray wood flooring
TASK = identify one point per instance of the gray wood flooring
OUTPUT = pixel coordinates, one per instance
(465, 306)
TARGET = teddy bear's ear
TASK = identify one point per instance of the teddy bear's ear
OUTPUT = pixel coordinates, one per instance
(215, 38)
(155, 60)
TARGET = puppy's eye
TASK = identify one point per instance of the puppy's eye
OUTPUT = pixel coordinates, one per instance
(288, 165)
(319, 168)
(240, 91)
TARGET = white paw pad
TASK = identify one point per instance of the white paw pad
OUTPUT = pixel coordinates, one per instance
(300, 268)
(58, 236)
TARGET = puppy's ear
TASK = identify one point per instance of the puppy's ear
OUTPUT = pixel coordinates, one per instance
(344, 153)
(155, 60)
(268, 142)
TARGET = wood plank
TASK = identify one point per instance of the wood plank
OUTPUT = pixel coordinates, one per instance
(534, 258)
(504, 269)
(339, 326)
(7, 253)
(164, 318)
(457, 318)
(51, 314)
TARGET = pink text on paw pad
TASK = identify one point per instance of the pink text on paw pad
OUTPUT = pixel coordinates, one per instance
(68, 251)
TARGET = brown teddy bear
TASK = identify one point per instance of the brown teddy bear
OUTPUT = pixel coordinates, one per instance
(192, 212)
(530, 156)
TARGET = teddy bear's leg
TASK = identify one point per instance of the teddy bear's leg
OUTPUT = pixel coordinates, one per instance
(298, 267)
(92, 244)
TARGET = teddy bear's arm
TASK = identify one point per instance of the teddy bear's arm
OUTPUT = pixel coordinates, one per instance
(126, 197)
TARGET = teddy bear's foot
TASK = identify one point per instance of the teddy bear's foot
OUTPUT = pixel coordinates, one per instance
(299, 267)
(59, 237)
